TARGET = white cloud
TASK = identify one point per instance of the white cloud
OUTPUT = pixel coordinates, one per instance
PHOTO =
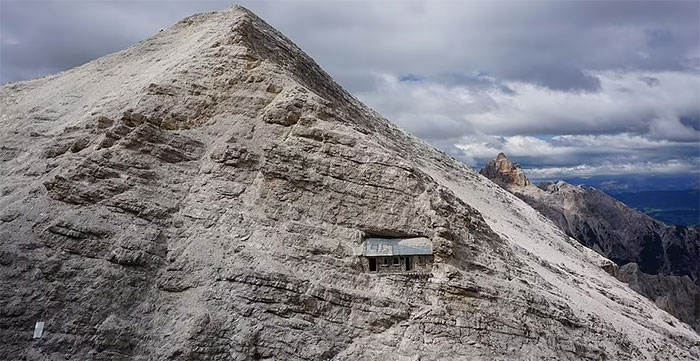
(628, 120)
(570, 149)
(625, 103)
(671, 166)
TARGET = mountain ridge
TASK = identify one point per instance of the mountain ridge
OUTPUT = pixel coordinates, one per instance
(660, 254)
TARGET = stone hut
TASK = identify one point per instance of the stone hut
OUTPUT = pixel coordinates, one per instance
(397, 255)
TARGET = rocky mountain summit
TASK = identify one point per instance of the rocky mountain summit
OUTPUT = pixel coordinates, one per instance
(661, 262)
(206, 195)
(502, 171)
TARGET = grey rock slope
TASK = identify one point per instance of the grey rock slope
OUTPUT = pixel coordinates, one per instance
(664, 261)
(203, 194)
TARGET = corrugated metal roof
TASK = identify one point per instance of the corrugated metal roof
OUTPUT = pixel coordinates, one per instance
(375, 247)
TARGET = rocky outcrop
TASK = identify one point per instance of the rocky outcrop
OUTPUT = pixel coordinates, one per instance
(502, 171)
(662, 255)
(621, 233)
(203, 195)
(678, 295)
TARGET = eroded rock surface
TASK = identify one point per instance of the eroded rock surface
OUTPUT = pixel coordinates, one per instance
(202, 196)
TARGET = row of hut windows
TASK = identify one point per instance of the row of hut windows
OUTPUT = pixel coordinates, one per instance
(404, 263)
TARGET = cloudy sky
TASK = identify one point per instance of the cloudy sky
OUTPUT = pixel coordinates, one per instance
(565, 88)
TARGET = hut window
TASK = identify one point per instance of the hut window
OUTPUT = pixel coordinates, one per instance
(396, 261)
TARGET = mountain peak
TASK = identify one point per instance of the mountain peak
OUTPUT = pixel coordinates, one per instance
(197, 70)
(265, 43)
(214, 182)
(504, 172)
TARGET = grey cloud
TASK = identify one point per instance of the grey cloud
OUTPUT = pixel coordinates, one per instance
(691, 121)
(624, 104)
(502, 39)
(475, 80)
(356, 81)
(650, 80)
(505, 40)
(559, 77)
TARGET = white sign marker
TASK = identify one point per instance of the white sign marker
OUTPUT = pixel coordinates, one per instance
(39, 329)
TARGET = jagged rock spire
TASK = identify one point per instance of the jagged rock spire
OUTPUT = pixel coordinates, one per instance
(503, 171)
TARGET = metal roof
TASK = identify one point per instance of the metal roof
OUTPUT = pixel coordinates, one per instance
(375, 247)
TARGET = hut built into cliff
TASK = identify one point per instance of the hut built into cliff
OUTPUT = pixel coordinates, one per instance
(397, 255)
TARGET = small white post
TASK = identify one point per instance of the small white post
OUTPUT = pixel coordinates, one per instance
(39, 329)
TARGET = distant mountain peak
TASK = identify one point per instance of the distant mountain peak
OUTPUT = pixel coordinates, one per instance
(504, 172)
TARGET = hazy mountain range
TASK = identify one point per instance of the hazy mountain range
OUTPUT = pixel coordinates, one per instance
(672, 199)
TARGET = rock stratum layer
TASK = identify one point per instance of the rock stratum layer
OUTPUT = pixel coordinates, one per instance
(202, 196)
(663, 262)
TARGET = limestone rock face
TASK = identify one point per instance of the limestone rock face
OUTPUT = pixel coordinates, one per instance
(203, 195)
(625, 236)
